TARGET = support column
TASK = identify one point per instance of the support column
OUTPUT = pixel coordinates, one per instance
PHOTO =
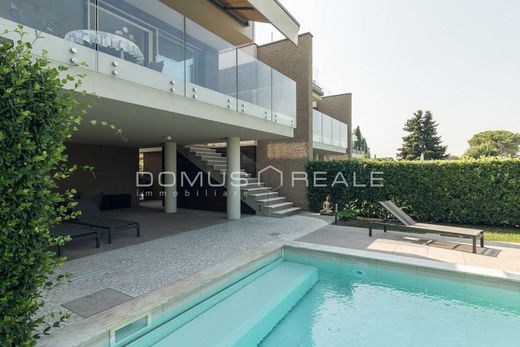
(232, 178)
(170, 165)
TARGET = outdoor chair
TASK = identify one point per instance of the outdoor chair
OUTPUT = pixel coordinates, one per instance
(408, 222)
(91, 217)
(74, 233)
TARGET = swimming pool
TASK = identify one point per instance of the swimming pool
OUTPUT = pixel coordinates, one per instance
(367, 305)
(307, 298)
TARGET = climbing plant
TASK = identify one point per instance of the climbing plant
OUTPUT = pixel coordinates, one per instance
(38, 113)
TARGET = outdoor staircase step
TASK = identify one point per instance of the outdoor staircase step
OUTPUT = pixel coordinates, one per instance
(272, 200)
(286, 212)
(263, 195)
(202, 150)
(280, 206)
(214, 159)
(255, 189)
(252, 185)
(206, 153)
(198, 145)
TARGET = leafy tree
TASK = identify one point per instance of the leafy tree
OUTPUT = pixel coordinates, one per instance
(493, 143)
(422, 138)
(36, 117)
(359, 137)
(360, 143)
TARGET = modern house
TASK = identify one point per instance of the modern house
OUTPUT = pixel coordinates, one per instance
(174, 75)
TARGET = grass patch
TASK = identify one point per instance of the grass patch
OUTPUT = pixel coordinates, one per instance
(491, 233)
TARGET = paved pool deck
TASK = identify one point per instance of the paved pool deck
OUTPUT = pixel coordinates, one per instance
(140, 266)
(495, 255)
(120, 274)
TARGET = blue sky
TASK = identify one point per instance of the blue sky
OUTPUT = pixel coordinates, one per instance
(459, 59)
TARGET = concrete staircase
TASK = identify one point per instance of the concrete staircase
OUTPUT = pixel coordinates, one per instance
(255, 194)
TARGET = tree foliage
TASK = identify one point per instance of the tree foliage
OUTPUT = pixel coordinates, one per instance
(494, 143)
(360, 143)
(37, 117)
(422, 138)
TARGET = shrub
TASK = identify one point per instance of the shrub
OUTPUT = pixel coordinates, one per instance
(483, 191)
(37, 117)
(348, 213)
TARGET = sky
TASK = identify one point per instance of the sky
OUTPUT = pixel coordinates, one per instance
(460, 59)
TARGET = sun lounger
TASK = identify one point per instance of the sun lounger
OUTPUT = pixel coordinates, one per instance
(91, 217)
(408, 222)
(74, 233)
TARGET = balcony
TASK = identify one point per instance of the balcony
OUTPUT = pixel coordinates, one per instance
(329, 134)
(149, 43)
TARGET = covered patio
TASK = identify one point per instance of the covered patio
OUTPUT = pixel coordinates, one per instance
(154, 223)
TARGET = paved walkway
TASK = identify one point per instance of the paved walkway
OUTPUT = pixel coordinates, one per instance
(496, 255)
(120, 274)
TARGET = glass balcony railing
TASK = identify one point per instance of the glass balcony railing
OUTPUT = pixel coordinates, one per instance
(328, 130)
(149, 43)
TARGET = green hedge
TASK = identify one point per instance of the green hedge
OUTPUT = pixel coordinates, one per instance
(484, 191)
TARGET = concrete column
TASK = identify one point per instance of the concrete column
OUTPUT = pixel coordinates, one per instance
(233, 183)
(170, 165)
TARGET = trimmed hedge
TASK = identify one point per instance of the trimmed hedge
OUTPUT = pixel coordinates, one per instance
(483, 191)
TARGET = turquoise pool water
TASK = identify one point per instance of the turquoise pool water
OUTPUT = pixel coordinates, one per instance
(309, 299)
(360, 306)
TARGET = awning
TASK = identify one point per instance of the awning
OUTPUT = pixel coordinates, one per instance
(266, 11)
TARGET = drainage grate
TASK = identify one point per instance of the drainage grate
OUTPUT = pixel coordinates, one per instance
(89, 305)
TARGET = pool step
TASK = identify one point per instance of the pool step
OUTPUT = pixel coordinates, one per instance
(248, 315)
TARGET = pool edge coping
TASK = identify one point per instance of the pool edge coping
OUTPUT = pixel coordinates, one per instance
(99, 326)
(471, 270)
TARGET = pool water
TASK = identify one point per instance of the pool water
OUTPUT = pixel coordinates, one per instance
(315, 299)
(355, 308)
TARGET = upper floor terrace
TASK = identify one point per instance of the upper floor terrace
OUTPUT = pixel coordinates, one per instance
(329, 134)
(148, 43)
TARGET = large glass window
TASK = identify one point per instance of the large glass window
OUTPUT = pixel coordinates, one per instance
(51, 17)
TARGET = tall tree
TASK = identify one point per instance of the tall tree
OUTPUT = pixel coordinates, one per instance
(432, 142)
(359, 137)
(412, 149)
(493, 143)
(422, 138)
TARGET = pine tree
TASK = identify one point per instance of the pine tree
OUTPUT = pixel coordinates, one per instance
(412, 149)
(432, 143)
(422, 138)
